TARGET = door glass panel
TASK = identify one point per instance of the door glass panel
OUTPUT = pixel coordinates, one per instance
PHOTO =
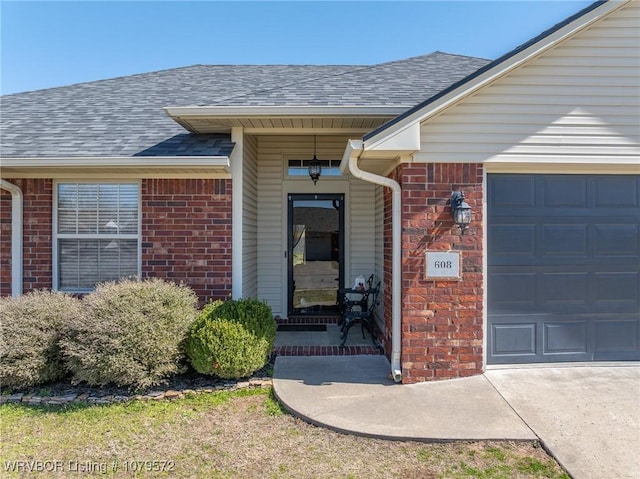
(315, 254)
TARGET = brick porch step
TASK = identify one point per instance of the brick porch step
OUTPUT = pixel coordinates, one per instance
(327, 319)
(320, 349)
(325, 350)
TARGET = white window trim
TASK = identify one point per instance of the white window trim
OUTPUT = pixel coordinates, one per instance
(55, 236)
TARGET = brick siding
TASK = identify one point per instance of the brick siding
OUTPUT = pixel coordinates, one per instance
(186, 234)
(442, 321)
(387, 267)
(37, 235)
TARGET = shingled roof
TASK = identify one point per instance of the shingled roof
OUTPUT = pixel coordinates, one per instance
(124, 116)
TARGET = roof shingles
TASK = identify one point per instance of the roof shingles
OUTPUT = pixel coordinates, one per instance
(125, 117)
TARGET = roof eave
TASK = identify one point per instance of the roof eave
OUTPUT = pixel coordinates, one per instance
(301, 111)
(87, 164)
(225, 117)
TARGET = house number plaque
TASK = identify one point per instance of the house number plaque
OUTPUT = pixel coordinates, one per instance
(443, 265)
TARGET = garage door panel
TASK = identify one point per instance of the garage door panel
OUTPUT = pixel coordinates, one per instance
(619, 290)
(512, 292)
(564, 240)
(514, 339)
(563, 265)
(567, 337)
(563, 191)
(553, 244)
(616, 192)
(539, 338)
(515, 191)
(561, 291)
(513, 239)
(616, 336)
(617, 240)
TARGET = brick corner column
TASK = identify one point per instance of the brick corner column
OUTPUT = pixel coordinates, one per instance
(442, 321)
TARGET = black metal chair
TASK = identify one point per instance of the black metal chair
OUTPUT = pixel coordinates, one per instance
(346, 300)
(364, 312)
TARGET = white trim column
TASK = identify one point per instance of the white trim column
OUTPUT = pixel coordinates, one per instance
(16, 236)
(237, 189)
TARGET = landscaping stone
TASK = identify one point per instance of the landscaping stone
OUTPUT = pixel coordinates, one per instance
(61, 394)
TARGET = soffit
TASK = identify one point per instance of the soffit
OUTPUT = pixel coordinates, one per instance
(205, 125)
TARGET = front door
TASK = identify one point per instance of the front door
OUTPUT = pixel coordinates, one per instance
(315, 252)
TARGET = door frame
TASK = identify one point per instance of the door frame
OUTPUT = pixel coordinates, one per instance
(291, 197)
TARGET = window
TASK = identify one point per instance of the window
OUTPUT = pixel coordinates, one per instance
(97, 233)
(301, 167)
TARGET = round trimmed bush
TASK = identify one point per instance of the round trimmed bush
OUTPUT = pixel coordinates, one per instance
(133, 335)
(31, 327)
(232, 339)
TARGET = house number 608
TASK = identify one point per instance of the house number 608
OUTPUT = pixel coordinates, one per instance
(443, 264)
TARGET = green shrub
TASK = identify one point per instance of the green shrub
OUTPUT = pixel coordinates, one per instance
(31, 329)
(133, 335)
(232, 339)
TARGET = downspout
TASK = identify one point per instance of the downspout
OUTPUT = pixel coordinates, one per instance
(16, 236)
(396, 252)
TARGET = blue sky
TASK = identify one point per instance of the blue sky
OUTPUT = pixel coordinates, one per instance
(51, 43)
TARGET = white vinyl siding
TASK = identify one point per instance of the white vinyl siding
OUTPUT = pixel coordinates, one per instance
(362, 238)
(576, 103)
(97, 233)
(274, 185)
(250, 219)
(271, 214)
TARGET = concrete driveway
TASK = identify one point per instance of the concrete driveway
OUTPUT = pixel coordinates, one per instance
(588, 417)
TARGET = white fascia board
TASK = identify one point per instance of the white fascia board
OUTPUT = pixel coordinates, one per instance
(288, 111)
(126, 161)
(422, 114)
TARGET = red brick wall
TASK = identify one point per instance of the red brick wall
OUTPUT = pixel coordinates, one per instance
(186, 234)
(387, 268)
(37, 235)
(441, 320)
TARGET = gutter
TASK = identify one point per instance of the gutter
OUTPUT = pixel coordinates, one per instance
(352, 153)
(120, 161)
(16, 236)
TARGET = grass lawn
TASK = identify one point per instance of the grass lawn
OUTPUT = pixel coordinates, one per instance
(241, 434)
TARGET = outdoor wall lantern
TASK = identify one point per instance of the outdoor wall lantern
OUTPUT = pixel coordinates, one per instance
(315, 170)
(460, 210)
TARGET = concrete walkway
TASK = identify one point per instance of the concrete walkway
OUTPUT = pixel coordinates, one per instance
(588, 417)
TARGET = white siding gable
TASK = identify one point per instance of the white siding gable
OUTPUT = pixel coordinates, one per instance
(576, 103)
